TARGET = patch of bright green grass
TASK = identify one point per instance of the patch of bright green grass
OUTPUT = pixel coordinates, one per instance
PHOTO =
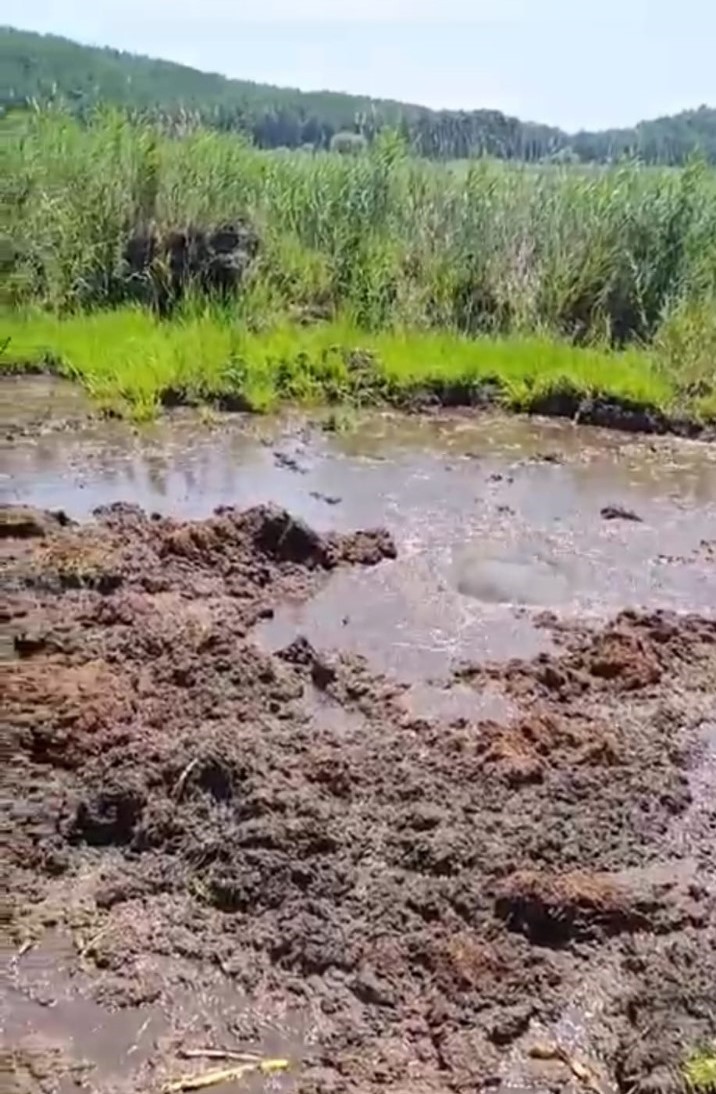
(527, 368)
(700, 1071)
(132, 360)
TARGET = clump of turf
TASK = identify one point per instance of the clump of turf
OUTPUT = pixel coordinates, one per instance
(700, 1071)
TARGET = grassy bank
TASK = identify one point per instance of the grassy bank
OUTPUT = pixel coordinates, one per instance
(539, 279)
(130, 360)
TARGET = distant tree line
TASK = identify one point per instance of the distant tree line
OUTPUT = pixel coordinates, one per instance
(39, 68)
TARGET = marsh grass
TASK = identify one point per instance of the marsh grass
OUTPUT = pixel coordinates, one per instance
(423, 274)
(388, 238)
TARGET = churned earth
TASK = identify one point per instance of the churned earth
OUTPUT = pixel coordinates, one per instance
(241, 815)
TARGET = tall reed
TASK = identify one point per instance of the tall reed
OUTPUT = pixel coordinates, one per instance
(604, 255)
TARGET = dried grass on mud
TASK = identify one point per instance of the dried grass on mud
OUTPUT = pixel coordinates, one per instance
(427, 893)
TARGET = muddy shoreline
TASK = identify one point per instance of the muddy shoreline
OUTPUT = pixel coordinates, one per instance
(601, 411)
(195, 816)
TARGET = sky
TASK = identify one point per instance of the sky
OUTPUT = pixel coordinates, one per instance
(563, 62)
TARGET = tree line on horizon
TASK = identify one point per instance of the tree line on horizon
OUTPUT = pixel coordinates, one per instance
(37, 68)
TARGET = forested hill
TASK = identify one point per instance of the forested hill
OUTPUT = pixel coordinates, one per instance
(41, 67)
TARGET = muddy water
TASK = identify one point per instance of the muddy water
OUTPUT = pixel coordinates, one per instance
(496, 519)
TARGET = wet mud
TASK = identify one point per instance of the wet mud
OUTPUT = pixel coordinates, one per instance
(422, 808)
(33, 406)
(230, 837)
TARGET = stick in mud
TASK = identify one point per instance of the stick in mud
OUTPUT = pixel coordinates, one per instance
(224, 1075)
(220, 1054)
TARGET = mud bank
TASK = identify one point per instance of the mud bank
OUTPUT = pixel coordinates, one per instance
(606, 411)
(196, 816)
(366, 385)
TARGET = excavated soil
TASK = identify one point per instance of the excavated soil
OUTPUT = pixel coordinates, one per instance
(194, 816)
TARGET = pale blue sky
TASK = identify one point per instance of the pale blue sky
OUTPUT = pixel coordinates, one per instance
(558, 61)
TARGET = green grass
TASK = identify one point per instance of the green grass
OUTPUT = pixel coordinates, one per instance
(394, 241)
(131, 360)
(700, 1071)
(593, 281)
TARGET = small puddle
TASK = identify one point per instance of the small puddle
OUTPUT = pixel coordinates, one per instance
(405, 621)
(329, 717)
(572, 1033)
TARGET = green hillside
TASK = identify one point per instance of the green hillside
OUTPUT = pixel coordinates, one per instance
(41, 67)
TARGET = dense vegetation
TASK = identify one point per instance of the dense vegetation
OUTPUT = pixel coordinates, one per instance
(380, 252)
(392, 239)
(36, 67)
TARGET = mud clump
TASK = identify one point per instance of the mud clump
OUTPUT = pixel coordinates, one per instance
(109, 817)
(58, 708)
(77, 561)
(625, 660)
(25, 522)
(553, 909)
(619, 512)
(632, 654)
(277, 534)
(523, 751)
(284, 821)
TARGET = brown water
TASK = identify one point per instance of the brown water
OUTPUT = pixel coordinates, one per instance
(495, 518)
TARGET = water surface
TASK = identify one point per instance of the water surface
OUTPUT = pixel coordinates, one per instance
(496, 518)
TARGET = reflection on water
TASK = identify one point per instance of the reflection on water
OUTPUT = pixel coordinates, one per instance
(459, 492)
